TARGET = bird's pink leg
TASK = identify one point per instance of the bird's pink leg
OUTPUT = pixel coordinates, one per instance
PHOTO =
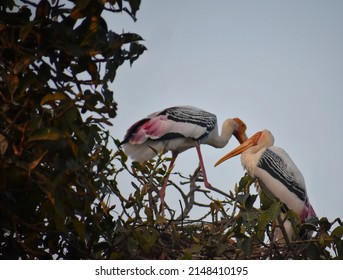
(165, 181)
(202, 166)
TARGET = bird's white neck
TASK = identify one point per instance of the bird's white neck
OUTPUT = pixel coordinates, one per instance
(251, 157)
(220, 141)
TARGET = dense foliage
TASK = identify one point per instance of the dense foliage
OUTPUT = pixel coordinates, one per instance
(57, 59)
(60, 196)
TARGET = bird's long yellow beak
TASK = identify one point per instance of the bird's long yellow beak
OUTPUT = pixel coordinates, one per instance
(240, 149)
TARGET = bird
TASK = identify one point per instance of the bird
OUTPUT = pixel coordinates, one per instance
(276, 175)
(178, 129)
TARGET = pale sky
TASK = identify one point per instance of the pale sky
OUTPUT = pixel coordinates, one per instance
(275, 64)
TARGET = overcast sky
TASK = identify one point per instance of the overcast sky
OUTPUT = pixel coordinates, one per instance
(275, 64)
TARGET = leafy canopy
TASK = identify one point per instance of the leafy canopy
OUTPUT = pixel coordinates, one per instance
(57, 60)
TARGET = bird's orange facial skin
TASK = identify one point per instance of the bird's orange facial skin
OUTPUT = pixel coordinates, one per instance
(252, 141)
(239, 133)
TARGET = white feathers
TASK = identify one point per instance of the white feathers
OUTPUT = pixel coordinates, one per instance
(144, 151)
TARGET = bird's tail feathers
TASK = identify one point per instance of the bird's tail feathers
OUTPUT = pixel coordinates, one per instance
(144, 151)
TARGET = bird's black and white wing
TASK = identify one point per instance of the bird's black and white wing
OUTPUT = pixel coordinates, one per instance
(188, 122)
(281, 178)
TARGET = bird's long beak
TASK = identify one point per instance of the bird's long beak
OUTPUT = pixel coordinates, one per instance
(240, 149)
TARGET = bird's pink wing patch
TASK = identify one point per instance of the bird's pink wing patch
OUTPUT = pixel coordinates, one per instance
(153, 129)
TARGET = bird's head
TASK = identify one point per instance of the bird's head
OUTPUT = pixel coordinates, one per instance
(262, 137)
(239, 130)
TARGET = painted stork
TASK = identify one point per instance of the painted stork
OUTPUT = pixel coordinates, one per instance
(276, 174)
(177, 129)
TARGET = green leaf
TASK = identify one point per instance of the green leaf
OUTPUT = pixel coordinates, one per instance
(241, 198)
(148, 211)
(132, 246)
(111, 70)
(135, 51)
(43, 9)
(101, 246)
(134, 5)
(79, 227)
(325, 224)
(249, 203)
(25, 31)
(308, 227)
(274, 210)
(44, 73)
(263, 220)
(81, 4)
(12, 82)
(130, 37)
(339, 246)
(266, 202)
(250, 221)
(337, 232)
(247, 246)
(146, 238)
(44, 134)
(243, 183)
(312, 251)
(195, 248)
(53, 97)
(324, 239)
(195, 239)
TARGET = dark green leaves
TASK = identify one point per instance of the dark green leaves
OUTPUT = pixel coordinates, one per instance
(337, 232)
(46, 134)
(57, 63)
